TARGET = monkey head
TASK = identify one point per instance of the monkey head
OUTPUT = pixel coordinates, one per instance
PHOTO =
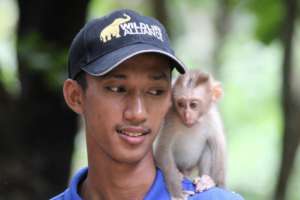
(193, 95)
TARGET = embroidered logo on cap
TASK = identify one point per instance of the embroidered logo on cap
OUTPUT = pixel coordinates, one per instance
(113, 29)
(130, 28)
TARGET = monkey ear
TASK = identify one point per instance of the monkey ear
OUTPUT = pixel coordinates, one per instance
(202, 78)
(178, 80)
(217, 91)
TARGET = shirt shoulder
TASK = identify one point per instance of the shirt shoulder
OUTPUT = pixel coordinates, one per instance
(61, 196)
(72, 193)
(66, 195)
(211, 194)
(216, 193)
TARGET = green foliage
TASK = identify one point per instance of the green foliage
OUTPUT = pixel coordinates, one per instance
(8, 20)
(98, 8)
(46, 58)
(208, 3)
(202, 3)
(269, 15)
(8, 17)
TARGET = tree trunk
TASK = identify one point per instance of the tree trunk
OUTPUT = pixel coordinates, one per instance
(161, 13)
(37, 129)
(290, 104)
(222, 26)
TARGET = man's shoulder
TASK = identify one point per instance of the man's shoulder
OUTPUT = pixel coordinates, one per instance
(71, 193)
(216, 193)
(157, 191)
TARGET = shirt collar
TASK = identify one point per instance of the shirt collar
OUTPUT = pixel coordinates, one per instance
(157, 191)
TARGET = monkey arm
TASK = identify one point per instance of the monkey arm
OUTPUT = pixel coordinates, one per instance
(165, 161)
(164, 149)
(205, 162)
(216, 144)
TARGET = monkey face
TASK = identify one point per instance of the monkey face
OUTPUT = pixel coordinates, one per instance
(189, 110)
(124, 110)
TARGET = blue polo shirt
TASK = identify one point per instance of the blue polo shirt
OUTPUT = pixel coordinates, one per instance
(158, 190)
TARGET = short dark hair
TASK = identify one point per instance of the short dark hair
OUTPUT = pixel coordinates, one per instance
(81, 80)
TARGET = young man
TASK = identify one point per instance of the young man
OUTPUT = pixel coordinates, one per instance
(120, 82)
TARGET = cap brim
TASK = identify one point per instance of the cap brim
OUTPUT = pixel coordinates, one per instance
(110, 61)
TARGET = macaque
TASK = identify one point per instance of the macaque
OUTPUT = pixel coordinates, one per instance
(192, 136)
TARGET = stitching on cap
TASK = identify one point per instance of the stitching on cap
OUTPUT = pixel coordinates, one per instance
(133, 54)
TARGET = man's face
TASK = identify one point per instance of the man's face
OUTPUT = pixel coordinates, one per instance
(124, 109)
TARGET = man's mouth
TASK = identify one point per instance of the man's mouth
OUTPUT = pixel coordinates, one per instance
(132, 131)
(133, 135)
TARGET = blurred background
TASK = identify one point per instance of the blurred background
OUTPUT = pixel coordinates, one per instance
(251, 46)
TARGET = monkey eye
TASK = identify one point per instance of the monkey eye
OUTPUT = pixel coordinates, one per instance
(193, 105)
(180, 104)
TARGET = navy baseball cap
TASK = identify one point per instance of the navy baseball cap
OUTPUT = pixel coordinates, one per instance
(104, 43)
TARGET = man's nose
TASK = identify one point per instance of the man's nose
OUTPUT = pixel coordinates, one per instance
(136, 110)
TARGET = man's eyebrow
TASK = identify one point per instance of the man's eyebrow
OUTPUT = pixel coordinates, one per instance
(115, 76)
(159, 76)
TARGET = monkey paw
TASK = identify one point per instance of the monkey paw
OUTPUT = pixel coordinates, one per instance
(203, 183)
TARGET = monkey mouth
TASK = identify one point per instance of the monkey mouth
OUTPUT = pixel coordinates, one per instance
(189, 125)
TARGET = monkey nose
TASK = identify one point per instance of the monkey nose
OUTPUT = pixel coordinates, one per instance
(188, 121)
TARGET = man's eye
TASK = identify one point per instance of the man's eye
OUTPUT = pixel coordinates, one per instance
(118, 89)
(156, 92)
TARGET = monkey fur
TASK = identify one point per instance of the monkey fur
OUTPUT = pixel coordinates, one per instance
(192, 136)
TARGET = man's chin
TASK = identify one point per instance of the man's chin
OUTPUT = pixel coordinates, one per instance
(133, 157)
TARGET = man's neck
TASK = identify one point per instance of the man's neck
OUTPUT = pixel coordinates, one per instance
(106, 181)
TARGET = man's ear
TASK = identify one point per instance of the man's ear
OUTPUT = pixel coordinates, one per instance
(73, 94)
